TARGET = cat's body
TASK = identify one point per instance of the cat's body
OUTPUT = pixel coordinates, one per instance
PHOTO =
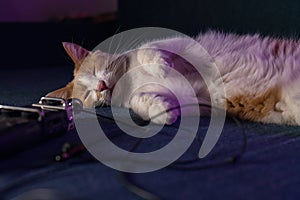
(261, 77)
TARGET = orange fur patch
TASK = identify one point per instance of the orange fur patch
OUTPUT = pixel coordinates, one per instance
(254, 107)
(65, 92)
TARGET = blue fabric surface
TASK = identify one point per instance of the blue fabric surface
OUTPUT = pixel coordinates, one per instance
(269, 168)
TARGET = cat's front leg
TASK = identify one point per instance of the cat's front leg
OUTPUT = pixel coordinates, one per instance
(156, 62)
(158, 109)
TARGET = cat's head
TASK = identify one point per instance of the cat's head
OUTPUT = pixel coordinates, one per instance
(95, 75)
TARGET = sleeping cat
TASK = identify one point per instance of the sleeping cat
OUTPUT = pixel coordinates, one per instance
(261, 77)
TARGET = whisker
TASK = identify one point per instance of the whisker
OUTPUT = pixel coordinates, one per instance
(109, 47)
(118, 46)
(134, 42)
(82, 42)
(125, 46)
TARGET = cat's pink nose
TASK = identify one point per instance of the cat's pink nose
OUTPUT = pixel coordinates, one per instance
(102, 86)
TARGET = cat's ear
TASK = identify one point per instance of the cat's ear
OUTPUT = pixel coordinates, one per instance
(76, 52)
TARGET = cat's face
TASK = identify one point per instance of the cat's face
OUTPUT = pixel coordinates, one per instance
(94, 80)
(95, 76)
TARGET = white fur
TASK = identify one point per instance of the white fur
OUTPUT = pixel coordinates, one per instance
(247, 64)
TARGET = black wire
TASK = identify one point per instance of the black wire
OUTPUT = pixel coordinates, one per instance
(178, 165)
(130, 185)
(229, 160)
(127, 178)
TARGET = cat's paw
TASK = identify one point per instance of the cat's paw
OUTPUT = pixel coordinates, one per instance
(289, 113)
(158, 109)
(155, 62)
(140, 104)
(162, 111)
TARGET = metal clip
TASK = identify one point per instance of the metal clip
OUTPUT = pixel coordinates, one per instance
(50, 103)
(38, 114)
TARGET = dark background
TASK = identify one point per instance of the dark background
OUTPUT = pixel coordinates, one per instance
(273, 17)
(38, 44)
(33, 63)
